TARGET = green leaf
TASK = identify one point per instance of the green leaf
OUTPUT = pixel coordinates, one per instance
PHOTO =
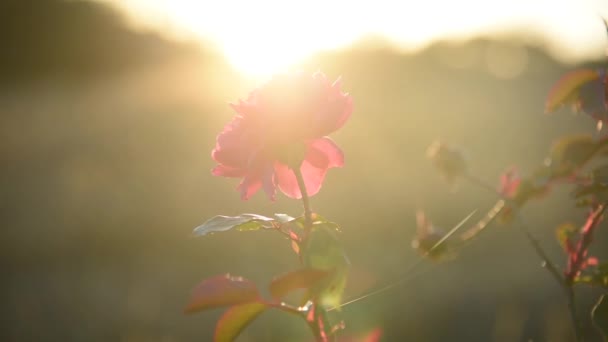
(571, 153)
(242, 222)
(595, 275)
(596, 188)
(566, 91)
(317, 221)
(600, 174)
(284, 218)
(599, 314)
(565, 233)
(219, 291)
(236, 319)
(324, 252)
(449, 161)
(299, 279)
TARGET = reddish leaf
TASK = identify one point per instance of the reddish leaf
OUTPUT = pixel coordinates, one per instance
(565, 91)
(300, 279)
(236, 319)
(223, 290)
(295, 247)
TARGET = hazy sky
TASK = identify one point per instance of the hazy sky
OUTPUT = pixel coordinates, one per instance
(265, 35)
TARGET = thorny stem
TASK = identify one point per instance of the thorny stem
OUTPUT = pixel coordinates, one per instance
(546, 262)
(569, 277)
(314, 326)
(583, 245)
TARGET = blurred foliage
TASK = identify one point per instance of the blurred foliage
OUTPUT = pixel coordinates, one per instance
(600, 316)
(74, 39)
(105, 140)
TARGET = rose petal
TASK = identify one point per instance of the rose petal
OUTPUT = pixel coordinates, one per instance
(249, 186)
(234, 146)
(234, 158)
(334, 112)
(226, 171)
(288, 184)
(286, 181)
(290, 108)
(324, 153)
(317, 157)
(268, 182)
(313, 177)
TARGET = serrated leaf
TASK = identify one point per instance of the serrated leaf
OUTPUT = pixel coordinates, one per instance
(222, 290)
(324, 252)
(299, 279)
(221, 223)
(236, 319)
(599, 314)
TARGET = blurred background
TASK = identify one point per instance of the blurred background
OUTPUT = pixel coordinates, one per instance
(109, 111)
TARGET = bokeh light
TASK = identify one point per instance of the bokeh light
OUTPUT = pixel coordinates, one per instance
(261, 37)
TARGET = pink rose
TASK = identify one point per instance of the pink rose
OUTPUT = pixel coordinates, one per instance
(282, 125)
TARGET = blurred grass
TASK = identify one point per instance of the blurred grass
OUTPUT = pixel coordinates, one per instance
(106, 171)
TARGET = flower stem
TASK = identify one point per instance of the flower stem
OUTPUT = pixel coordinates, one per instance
(305, 202)
(314, 325)
(546, 262)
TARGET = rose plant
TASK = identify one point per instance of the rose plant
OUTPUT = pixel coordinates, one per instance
(278, 140)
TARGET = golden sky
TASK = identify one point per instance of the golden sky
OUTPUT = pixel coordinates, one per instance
(264, 36)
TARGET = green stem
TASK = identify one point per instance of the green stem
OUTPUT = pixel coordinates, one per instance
(578, 333)
(546, 262)
(306, 204)
(314, 326)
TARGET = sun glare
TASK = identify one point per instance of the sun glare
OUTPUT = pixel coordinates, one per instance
(262, 37)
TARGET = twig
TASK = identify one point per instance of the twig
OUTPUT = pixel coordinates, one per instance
(546, 262)
(585, 241)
